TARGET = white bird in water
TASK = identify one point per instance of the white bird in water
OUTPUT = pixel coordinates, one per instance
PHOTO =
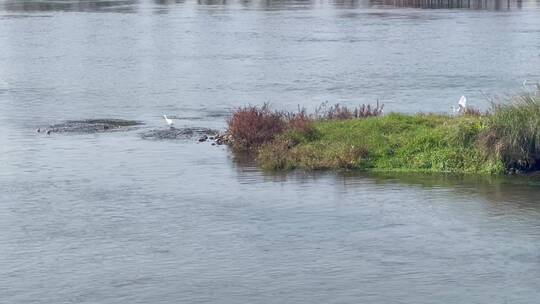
(169, 121)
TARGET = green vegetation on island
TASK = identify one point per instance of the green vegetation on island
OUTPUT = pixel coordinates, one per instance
(505, 139)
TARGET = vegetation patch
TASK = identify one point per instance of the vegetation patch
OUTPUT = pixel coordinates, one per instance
(505, 139)
(514, 134)
(252, 126)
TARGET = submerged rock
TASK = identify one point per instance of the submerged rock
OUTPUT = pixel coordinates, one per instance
(222, 139)
(90, 126)
(179, 133)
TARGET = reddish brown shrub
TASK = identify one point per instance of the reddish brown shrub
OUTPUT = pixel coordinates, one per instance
(300, 122)
(251, 126)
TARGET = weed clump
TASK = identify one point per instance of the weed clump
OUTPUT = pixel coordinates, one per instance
(513, 133)
(301, 123)
(472, 111)
(251, 126)
(341, 112)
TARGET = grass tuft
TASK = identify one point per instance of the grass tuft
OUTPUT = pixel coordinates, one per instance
(472, 111)
(340, 112)
(513, 133)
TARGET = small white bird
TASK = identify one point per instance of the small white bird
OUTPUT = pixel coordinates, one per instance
(169, 121)
(462, 104)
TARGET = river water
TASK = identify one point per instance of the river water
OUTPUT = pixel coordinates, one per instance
(116, 218)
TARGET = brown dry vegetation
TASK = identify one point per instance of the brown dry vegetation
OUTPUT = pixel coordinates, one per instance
(252, 126)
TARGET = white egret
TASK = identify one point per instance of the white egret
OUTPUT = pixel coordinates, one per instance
(462, 104)
(169, 121)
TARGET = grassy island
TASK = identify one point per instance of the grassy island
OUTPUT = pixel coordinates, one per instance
(505, 139)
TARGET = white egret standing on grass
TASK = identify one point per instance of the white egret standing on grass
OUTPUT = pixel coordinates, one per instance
(169, 121)
(462, 104)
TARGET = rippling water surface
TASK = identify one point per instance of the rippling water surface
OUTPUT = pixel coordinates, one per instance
(113, 217)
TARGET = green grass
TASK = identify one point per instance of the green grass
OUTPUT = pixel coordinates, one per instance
(505, 139)
(395, 142)
(514, 133)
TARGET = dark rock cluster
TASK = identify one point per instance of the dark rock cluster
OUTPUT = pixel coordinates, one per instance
(202, 134)
(89, 126)
(223, 139)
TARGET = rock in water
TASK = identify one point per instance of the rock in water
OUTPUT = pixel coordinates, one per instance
(222, 139)
(180, 133)
(91, 126)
